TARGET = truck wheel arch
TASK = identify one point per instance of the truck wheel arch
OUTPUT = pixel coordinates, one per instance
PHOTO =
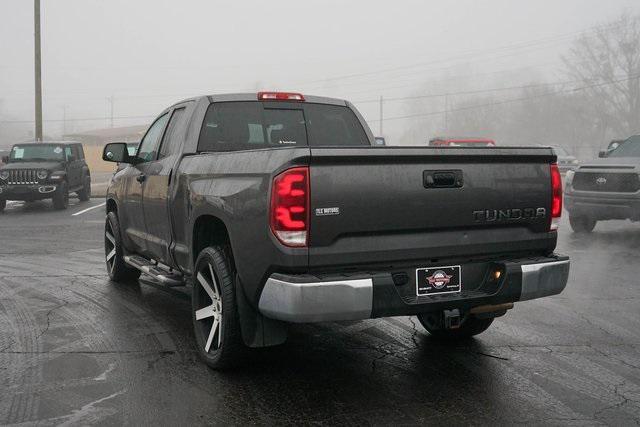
(257, 331)
(209, 230)
(112, 206)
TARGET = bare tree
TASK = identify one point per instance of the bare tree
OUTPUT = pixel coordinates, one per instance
(608, 60)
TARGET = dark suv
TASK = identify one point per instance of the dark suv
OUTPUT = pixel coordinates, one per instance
(45, 170)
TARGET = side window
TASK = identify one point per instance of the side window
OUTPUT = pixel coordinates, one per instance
(151, 141)
(235, 126)
(67, 153)
(80, 151)
(171, 142)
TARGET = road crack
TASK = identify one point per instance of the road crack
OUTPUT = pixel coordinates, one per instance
(44, 331)
(414, 334)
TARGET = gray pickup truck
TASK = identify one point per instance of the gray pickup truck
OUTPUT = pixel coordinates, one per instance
(606, 188)
(278, 208)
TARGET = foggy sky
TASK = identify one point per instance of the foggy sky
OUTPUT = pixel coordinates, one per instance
(148, 54)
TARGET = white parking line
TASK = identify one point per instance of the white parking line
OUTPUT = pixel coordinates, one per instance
(89, 209)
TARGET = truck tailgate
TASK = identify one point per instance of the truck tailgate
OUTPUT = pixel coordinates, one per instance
(403, 204)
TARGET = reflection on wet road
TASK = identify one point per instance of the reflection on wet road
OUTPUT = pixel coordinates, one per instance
(75, 348)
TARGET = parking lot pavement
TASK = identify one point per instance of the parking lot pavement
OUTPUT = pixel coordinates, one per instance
(77, 349)
(29, 228)
(99, 183)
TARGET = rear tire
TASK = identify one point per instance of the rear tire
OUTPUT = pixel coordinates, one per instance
(470, 327)
(119, 271)
(85, 194)
(582, 224)
(61, 197)
(216, 322)
(3, 204)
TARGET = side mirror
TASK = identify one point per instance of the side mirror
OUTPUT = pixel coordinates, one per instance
(5, 159)
(602, 153)
(116, 152)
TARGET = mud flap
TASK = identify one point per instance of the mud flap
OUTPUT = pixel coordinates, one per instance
(257, 330)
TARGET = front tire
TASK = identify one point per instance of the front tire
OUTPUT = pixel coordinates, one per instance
(214, 309)
(61, 197)
(582, 224)
(119, 271)
(3, 204)
(470, 327)
(85, 194)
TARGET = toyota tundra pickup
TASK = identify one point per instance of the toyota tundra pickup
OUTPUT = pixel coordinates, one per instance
(606, 188)
(278, 208)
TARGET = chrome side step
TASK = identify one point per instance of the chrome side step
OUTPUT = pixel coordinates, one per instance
(156, 271)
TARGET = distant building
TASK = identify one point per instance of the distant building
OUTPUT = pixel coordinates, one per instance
(93, 142)
(103, 136)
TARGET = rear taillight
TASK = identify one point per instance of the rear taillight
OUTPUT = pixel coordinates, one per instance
(290, 207)
(280, 96)
(556, 196)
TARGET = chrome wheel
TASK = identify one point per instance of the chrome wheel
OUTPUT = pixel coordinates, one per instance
(209, 312)
(109, 247)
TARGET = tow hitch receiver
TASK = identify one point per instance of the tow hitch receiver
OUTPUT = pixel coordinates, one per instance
(452, 319)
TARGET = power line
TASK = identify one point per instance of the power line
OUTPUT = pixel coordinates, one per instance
(400, 77)
(515, 46)
(433, 113)
(83, 119)
(468, 92)
(508, 101)
(439, 80)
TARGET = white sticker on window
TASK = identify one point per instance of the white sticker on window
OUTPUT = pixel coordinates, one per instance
(57, 150)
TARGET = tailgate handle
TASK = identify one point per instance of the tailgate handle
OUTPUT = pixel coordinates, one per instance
(442, 179)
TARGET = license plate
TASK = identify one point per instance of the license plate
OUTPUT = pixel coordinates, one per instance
(438, 280)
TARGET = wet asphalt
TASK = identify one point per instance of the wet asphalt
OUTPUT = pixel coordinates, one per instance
(76, 349)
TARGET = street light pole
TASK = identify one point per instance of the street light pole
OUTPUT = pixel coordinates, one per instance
(381, 115)
(64, 119)
(110, 99)
(446, 113)
(38, 71)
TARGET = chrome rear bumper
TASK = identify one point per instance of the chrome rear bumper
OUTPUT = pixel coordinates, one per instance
(317, 301)
(301, 300)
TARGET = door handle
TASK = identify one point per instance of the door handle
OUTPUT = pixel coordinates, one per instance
(442, 179)
(141, 178)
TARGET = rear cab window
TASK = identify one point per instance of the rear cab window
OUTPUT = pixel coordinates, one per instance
(334, 125)
(250, 125)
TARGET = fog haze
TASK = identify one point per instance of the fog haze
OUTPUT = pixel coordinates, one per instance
(148, 54)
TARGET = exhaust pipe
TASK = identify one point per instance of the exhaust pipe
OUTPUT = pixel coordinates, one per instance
(481, 309)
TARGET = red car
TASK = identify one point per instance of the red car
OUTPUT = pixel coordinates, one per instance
(461, 142)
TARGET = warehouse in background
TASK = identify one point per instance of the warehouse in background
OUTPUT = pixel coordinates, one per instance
(94, 140)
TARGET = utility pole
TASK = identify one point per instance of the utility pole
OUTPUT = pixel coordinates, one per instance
(64, 119)
(110, 99)
(38, 71)
(381, 115)
(446, 113)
